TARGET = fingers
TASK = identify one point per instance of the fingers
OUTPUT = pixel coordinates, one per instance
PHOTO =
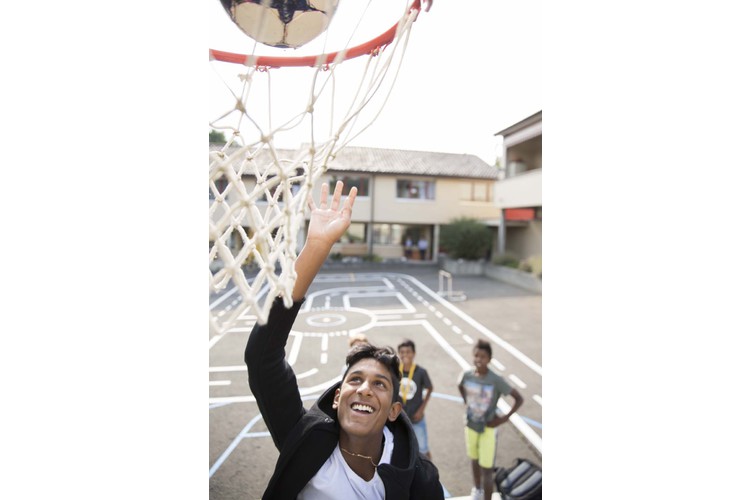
(310, 202)
(324, 196)
(337, 195)
(349, 202)
(335, 200)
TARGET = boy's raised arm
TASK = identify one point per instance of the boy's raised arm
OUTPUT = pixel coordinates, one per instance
(271, 378)
(327, 225)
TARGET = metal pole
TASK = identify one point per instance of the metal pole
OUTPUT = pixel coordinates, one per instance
(501, 234)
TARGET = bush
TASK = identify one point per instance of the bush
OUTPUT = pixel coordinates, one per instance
(507, 260)
(533, 265)
(465, 238)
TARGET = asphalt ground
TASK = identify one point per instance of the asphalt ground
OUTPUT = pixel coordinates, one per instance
(388, 304)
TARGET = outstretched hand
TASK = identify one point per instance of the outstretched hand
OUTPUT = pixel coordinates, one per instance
(328, 224)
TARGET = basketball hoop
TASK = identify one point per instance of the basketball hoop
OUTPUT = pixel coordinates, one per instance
(258, 187)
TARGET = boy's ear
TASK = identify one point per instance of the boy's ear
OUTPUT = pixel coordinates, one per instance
(395, 410)
(336, 397)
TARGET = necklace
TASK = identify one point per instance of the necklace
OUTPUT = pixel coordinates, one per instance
(358, 455)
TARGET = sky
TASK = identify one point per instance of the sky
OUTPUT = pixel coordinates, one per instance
(471, 69)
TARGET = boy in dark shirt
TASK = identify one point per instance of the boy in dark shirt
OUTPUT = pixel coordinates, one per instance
(416, 388)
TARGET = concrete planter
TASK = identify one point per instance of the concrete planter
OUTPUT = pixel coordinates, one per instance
(463, 267)
(521, 279)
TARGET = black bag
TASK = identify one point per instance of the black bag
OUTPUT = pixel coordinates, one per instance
(522, 482)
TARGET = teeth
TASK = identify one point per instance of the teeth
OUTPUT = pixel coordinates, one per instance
(361, 407)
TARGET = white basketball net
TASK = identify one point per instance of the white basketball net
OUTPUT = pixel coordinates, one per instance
(258, 190)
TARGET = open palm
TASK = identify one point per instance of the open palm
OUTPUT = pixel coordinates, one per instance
(328, 224)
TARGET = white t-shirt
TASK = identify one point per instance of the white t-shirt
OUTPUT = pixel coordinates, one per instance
(336, 481)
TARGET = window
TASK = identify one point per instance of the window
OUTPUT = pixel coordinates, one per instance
(361, 183)
(388, 234)
(476, 191)
(221, 184)
(415, 190)
(357, 233)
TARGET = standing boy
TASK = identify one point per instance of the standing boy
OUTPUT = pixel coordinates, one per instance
(481, 388)
(414, 382)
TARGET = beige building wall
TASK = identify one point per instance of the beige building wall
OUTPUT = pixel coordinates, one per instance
(524, 190)
(446, 206)
(526, 240)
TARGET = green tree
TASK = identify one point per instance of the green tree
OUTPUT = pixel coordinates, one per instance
(216, 137)
(465, 238)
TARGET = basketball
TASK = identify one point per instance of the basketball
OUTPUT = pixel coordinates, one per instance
(281, 23)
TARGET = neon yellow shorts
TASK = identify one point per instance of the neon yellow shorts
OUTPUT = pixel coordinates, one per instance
(482, 446)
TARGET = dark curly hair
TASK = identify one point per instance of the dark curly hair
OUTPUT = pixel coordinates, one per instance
(484, 345)
(384, 355)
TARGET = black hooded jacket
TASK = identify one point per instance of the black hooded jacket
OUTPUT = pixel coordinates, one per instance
(305, 439)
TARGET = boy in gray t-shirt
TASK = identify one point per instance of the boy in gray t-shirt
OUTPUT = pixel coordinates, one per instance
(481, 394)
(481, 388)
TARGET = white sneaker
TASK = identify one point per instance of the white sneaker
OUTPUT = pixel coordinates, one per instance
(477, 494)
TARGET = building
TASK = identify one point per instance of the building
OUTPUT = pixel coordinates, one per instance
(403, 198)
(519, 191)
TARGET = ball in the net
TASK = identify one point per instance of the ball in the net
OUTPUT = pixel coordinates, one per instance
(281, 23)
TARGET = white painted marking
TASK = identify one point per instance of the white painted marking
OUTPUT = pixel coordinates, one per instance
(323, 358)
(251, 399)
(456, 329)
(468, 339)
(438, 314)
(447, 321)
(389, 316)
(212, 383)
(258, 434)
(213, 340)
(408, 307)
(233, 445)
(438, 338)
(520, 383)
(324, 343)
(218, 369)
(294, 351)
(497, 364)
(243, 329)
(505, 345)
(308, 373)
(537, 398)
(449, 397)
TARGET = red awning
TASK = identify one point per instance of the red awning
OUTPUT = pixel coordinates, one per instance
(524, 214)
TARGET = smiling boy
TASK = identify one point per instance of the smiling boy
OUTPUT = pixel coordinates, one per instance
(355, 442)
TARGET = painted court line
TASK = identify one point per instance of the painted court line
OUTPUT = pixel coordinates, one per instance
(520, 383)
(508, 347)
(218, 369)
